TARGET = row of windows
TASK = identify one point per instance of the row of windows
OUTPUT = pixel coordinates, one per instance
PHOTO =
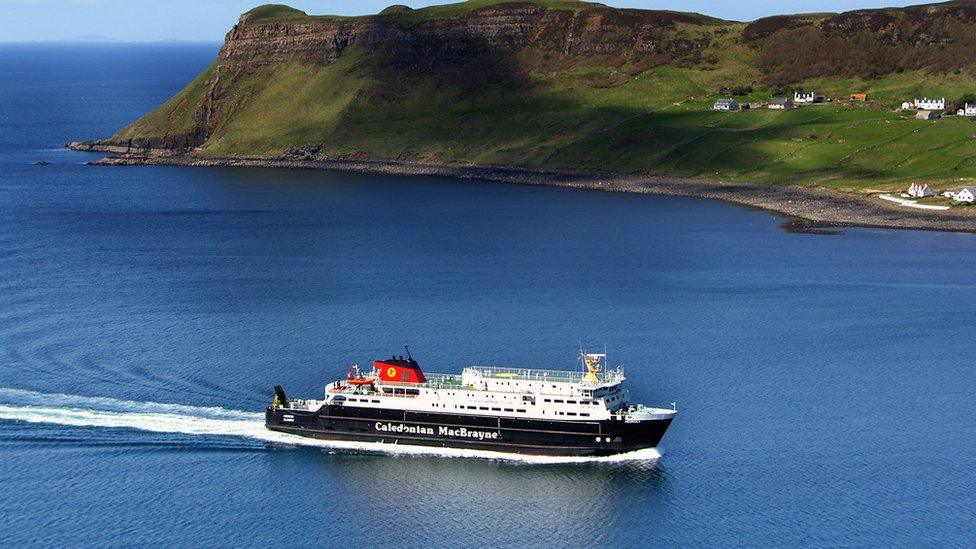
(561, 401)
(400, 392)
(583, 414)
(350, 399)
(486, 408)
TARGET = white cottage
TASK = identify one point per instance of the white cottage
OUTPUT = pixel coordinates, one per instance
(919, 190)
(968, 110)
(726, 105)
(965, 194)
(804, 97)
(927, 104)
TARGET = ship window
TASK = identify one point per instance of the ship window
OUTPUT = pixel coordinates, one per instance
(496, 409)
(509, 410)
(375, 401)
(472, 407)
(570, 402)
(412, 392)
(558, 401)
(547, 400)
(585, 414)
(482, 407)
(523, 411)
(570, 413)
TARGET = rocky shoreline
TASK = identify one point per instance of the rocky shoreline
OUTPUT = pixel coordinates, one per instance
(817, 206)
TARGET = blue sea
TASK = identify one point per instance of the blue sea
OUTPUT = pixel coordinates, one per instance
(826, 384)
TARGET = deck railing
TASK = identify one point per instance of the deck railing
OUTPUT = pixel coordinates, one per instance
(609, 377)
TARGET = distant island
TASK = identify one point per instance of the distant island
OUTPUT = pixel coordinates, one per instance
(812, 115)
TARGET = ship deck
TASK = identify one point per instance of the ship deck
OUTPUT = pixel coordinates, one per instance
(456, 381)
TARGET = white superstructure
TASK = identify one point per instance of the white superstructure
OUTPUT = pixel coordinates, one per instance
(593, 394)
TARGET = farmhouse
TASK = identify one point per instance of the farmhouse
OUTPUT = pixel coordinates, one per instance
(927, 104)
(965, 194)
(726, 105)
(803, 97)
(781, 103)
(918, 190)
(859, 96)
(926, 115)
(968, 109)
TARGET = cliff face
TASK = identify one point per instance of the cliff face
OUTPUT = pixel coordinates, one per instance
(509, 27)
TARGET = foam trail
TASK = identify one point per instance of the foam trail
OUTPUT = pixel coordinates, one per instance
(80, 411)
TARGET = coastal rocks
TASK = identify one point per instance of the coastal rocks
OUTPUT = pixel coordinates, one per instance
(302, 153)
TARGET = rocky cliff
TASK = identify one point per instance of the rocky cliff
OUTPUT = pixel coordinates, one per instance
(588, 30)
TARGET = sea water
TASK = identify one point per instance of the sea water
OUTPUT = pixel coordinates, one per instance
(825, 384)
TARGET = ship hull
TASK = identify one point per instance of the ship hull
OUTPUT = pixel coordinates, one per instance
(489, 433)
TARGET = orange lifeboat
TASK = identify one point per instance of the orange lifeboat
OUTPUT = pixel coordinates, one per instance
(360, 381)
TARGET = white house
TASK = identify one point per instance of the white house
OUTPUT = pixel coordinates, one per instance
(726, 105)
(927, 104)
(918, 190)
(781, 103)
(966, 194)
(803, 97)
(907, 106)
(968, 110)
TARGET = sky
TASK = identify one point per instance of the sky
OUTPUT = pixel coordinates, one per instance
(209, 20)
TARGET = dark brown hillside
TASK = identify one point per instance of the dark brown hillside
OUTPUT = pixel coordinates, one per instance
(867, 43)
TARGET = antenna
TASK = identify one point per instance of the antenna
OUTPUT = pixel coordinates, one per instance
(407, 348)
(581, 358)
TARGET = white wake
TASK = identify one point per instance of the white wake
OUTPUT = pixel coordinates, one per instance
(81, 411)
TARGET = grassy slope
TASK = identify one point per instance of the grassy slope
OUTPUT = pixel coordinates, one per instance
(657, 121)
(175, 115)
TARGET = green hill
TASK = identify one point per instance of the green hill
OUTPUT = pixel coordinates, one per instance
(564, 84)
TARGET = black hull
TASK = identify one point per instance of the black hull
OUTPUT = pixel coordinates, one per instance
(489, 433)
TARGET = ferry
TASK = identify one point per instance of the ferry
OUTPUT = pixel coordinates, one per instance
(586, 412)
